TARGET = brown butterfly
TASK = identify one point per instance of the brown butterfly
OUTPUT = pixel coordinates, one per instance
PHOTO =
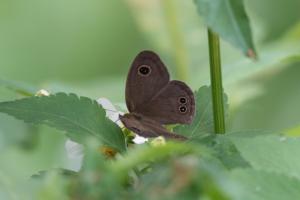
(153, 100)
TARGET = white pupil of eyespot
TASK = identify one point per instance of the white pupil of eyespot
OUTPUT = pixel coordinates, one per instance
(182, 100)
(182, 109)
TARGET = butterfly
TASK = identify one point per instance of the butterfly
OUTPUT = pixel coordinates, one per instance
(153, 100)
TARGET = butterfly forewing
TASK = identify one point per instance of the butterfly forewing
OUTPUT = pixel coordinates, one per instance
(146, 77)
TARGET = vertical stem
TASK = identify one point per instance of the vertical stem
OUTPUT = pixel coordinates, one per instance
(177, 38)
(216, 82)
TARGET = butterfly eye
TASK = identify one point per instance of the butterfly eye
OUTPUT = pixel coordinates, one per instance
(182, 100)
(144, 70)
(182, 109)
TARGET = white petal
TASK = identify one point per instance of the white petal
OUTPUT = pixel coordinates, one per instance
(139, 140)
(111, 112)
(75, 154)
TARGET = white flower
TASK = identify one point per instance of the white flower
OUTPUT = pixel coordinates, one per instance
(74, 153)
(139, 139)
(111, 112)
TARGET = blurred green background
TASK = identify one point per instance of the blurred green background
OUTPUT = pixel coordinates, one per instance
(86, 47)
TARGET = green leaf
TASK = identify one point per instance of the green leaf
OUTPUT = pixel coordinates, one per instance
(269, 152)
(228, 18)
(262, 185)
(78, 116)
(228, 154)
(273, 24)
(203, 121)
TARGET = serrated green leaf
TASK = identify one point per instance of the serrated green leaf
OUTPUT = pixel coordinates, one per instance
(228, 18)
(203, 121)
(80, 117)
(262, 185)
(269, 152)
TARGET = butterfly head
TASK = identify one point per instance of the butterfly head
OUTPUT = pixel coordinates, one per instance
(131, 121)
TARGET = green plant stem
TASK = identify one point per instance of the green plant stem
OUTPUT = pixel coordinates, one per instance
(216, 82)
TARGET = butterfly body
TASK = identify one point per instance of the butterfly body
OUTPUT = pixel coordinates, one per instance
(146, 127)
(153, 100)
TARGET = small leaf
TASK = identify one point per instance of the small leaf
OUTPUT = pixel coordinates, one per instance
(78, 116)
(269, 152)
(203, 121)
(228, 18)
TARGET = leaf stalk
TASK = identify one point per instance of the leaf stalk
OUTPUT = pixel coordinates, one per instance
(216, 82)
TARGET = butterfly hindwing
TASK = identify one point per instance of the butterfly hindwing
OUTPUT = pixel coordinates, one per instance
(173, 104)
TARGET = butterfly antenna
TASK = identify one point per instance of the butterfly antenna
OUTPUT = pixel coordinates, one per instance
(116, 120)
(111, 110)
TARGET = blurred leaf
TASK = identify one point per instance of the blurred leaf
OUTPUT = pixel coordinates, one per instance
(228, 154)
(50, 142)
(262, 185)
(143, 154)
(60, 171)
(203, 121)
(53, 186)
(269, 152)
(49, 153)
(186, 177)
(228, 18)
(95, 180)
(275, 16)
(276, 107)
(79, 117)
(223, 149)
(15, 132)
